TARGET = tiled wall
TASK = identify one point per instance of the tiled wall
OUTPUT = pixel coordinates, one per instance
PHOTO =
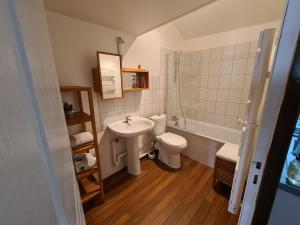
(214, 84)
(143, 103)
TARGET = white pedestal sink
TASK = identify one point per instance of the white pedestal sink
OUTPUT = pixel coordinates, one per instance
(131, 130)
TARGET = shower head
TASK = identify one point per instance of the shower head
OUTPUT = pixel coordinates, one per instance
(120, 40)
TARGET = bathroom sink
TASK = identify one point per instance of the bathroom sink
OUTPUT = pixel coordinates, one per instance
(136, 126)
(130, 129)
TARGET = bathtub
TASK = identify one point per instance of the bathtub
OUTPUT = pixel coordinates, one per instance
(204, 139)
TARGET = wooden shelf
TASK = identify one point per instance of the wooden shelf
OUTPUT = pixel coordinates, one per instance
(83, 148)
(89, 188)
(77, 118)
(134, 89)
(73, 88)
(133, 70)
(87, 197)
(141, 76)
(87, 172)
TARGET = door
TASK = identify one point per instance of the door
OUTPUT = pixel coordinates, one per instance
(251, 126)
(37, 185)
(255, 198)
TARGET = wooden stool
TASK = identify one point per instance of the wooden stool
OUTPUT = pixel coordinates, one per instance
(226, 159)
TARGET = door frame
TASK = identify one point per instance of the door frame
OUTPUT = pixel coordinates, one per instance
(284, 130)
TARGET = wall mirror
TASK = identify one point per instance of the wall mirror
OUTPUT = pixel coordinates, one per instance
(107, 75)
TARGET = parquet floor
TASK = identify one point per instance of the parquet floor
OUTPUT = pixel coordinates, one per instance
(160, 196)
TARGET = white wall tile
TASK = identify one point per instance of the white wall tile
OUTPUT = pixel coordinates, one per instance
(212, 94)
(205, 55)
(155, 109)
(239, 66)
(224, 81)
(235, 95)
(195, 69)
(129, 99)
(216, 54)
(119, 106)
(220, 119)
(147, 94)
(209, 117)
(242, 110)
(232, 109)
(212, 81)
(245, 95)
(201, 115)
(202, 93)
(155, 82)
(204, 68)
(148, 110)
(204, 81)
(242, 51)
(210, 106)
(106, 106)
(196, 57)
(228, 52)
(236, 82)
(231, 121)
(250, 66)
(223, 95)
(162, 83)
(226, 67)
(247, 82)
(253, 49)
(221, 107)
(155, 95)
(214, 68)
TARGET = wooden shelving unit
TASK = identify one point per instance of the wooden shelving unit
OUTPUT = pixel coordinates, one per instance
(142, 77)
(89, 181)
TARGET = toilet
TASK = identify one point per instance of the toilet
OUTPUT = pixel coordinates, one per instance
(168, 144)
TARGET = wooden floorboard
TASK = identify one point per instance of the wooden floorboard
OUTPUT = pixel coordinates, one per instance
(162, 196)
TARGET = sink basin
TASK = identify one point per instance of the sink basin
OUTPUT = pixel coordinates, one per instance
(130, 131)
(137, 126)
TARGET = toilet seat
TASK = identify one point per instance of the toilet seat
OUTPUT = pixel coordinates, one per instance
(173, 141)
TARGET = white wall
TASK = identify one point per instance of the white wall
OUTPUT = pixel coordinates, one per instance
(75, 43)
(228, 38)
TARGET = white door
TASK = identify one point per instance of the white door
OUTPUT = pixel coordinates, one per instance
(251, 126)
(37, 184)
(289, 35)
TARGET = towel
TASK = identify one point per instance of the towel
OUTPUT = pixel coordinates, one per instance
(80, 139)
(86, 162)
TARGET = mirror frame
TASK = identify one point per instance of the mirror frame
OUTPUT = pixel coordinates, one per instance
(100, 77)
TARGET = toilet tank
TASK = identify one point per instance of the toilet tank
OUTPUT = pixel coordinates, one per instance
(160, 124)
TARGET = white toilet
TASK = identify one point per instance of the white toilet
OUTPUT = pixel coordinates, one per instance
(168, 144)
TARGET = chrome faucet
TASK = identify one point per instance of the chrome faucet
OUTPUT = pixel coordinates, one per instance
(127, 120)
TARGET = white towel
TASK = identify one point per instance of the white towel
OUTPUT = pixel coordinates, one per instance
(80, 139)
(86, 163)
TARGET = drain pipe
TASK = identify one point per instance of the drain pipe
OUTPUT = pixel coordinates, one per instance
(117, 157)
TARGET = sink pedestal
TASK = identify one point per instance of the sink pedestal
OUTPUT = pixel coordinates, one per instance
(133, 156)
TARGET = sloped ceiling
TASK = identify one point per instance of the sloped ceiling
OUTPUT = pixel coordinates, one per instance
(132, 16)
(225, 15)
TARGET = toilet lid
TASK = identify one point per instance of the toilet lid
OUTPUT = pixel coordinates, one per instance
(173, 140)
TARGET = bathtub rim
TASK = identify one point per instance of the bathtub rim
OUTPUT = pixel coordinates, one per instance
(205, 136)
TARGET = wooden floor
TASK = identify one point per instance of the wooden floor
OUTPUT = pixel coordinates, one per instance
(162, 196)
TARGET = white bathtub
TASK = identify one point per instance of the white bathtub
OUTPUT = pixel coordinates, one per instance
(204, 139)
(214, 132)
